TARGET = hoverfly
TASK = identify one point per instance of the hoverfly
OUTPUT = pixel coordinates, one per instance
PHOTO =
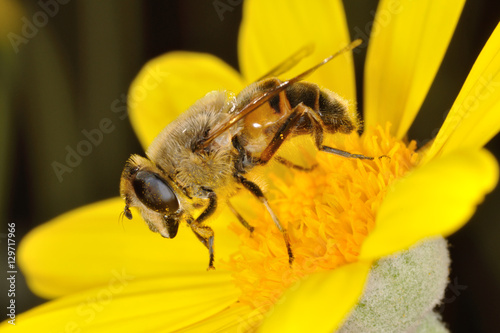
(204, 156)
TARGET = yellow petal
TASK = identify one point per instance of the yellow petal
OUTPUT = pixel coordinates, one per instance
(232, 319)
(84, 248)
(168, 85)
(407, 45)
(475, 116)
(127, 303)
(319, 302)
(271, 31)
(435, 199)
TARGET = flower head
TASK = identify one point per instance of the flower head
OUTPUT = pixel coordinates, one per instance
(342, 216)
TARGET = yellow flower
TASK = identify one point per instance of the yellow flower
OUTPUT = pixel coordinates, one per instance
(342, 216)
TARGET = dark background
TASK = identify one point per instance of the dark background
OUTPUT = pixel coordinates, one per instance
(66, 77)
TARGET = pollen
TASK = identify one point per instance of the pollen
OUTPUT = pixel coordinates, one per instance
(328, 213)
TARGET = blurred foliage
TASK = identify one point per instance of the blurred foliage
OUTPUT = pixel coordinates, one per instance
(78, 61)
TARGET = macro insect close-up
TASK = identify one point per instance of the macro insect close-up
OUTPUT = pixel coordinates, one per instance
(202, 157)
(250, 165)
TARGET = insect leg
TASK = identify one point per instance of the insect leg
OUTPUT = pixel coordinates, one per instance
(317, 132)
(204, 233)
(257, 192)
(339, 152)
(211, 207)
(244, 158)
(292, 165)
(279, 138)
(240, 218)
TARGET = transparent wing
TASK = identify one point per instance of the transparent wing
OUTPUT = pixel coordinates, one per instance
(259, 101)
(290, 62)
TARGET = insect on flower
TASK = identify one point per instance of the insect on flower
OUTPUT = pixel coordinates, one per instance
(205, 155)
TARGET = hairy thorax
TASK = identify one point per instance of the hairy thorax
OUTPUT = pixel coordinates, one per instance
(175, 148)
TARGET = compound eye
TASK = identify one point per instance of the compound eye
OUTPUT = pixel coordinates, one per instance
(154, 192)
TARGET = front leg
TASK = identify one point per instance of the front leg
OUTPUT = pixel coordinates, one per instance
(204, 233)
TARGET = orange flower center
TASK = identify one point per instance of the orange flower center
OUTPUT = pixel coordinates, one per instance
(328, 212)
